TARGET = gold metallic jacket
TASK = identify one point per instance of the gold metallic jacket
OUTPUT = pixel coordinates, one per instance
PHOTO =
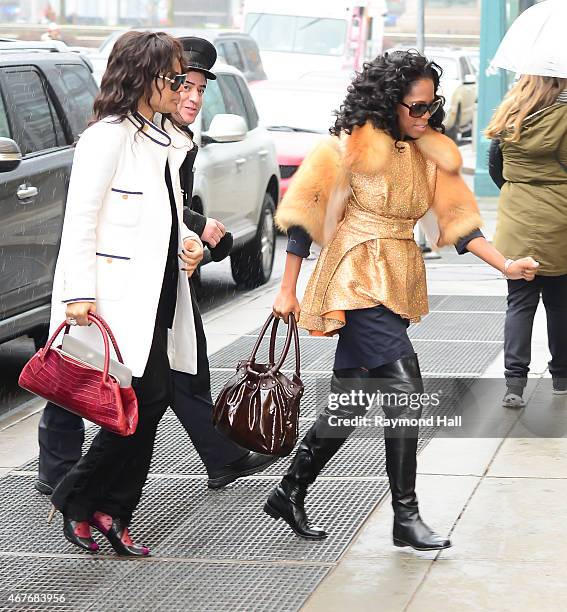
(360, 196)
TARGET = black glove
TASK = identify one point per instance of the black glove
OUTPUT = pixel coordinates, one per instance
(222, 249)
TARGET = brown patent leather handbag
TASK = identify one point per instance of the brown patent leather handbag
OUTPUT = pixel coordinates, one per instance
(258, 407)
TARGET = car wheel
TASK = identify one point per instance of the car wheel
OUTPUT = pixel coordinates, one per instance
(252, 264)
(455, 132)
(40, 337)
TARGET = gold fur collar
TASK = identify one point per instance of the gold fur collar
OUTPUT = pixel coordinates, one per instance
(367, 150)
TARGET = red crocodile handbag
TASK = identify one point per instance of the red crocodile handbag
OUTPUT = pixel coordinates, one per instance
(81, 388)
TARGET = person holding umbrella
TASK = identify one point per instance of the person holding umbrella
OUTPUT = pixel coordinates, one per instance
(528, 161)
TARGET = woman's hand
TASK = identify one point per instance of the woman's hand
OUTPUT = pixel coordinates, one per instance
(76, 312)
(286, 302)
(191, 255)
(524, 268)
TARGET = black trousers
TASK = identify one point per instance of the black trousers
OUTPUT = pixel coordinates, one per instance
(523, 300)
(61, 433)
(111, 475)
(194, 409)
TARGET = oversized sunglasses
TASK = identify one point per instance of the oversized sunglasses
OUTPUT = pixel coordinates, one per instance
(175, 82)
(418, 109)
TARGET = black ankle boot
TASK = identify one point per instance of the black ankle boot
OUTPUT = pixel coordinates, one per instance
(404, 377)
(287, 501)
(321, 442)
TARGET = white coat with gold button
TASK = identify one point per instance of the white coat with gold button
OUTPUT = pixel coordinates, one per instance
(116, 237)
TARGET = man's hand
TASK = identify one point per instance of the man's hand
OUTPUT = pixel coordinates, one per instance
(213, 232)
(191, 255)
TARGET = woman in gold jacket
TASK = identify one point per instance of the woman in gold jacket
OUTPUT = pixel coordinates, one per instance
(529, 162)
(360, 194)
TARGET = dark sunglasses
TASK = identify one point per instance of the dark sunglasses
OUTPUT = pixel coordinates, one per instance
(175, 82)
(418, 109)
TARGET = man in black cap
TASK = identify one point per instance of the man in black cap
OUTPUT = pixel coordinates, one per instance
(224, 460)
(61, 435)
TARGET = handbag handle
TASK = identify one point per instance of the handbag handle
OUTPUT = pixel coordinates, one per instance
(273, 337)
(106, 326)
(291, 332)
(103, 327)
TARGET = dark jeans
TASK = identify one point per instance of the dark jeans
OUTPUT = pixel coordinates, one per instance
(111, 475)
(523, 300)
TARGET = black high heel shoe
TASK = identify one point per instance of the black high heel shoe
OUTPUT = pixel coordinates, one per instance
(114, 536)
(69, 526)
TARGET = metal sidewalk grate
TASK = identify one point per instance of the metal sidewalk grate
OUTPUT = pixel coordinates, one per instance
(454, 326)
(91, 584)
(181, 518)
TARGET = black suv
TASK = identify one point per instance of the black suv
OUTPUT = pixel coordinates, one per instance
(46, 99)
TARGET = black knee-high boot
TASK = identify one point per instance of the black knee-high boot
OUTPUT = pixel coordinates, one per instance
(320, 443)
(400, 378)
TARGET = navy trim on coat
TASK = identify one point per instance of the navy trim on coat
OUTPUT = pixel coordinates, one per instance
(128, 192)
(144, 121)
(89, 299)
(112, 256)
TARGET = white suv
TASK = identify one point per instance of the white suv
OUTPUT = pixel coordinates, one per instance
(237, 177)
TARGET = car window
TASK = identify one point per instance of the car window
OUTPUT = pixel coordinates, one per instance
(4, 127)
(233, 98)
(232, 55)
(464, 67)
(251, 111)
(250, 53)
(213, 103)
(79, 94)
(36, 124)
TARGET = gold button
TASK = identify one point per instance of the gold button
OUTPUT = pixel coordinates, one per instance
(124, 196)
(109, 260)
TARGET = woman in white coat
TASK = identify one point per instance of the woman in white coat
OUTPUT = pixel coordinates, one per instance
(123, 244)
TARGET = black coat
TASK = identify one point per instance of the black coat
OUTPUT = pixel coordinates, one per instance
(201, 381)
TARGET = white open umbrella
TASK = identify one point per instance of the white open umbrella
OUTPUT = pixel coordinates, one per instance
(535, 43)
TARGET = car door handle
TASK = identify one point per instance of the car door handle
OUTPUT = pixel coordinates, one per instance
(241, 161)
(263, 154)
(25, 192)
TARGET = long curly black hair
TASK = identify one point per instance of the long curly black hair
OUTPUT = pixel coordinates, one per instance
(376, 92)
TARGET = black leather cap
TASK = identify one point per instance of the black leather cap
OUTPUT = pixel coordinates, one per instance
(199, 55)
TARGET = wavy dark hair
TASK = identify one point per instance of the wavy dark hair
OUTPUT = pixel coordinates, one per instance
(134, 63)
(376, 92)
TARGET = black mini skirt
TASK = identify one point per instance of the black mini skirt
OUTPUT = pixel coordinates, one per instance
(371, 338)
